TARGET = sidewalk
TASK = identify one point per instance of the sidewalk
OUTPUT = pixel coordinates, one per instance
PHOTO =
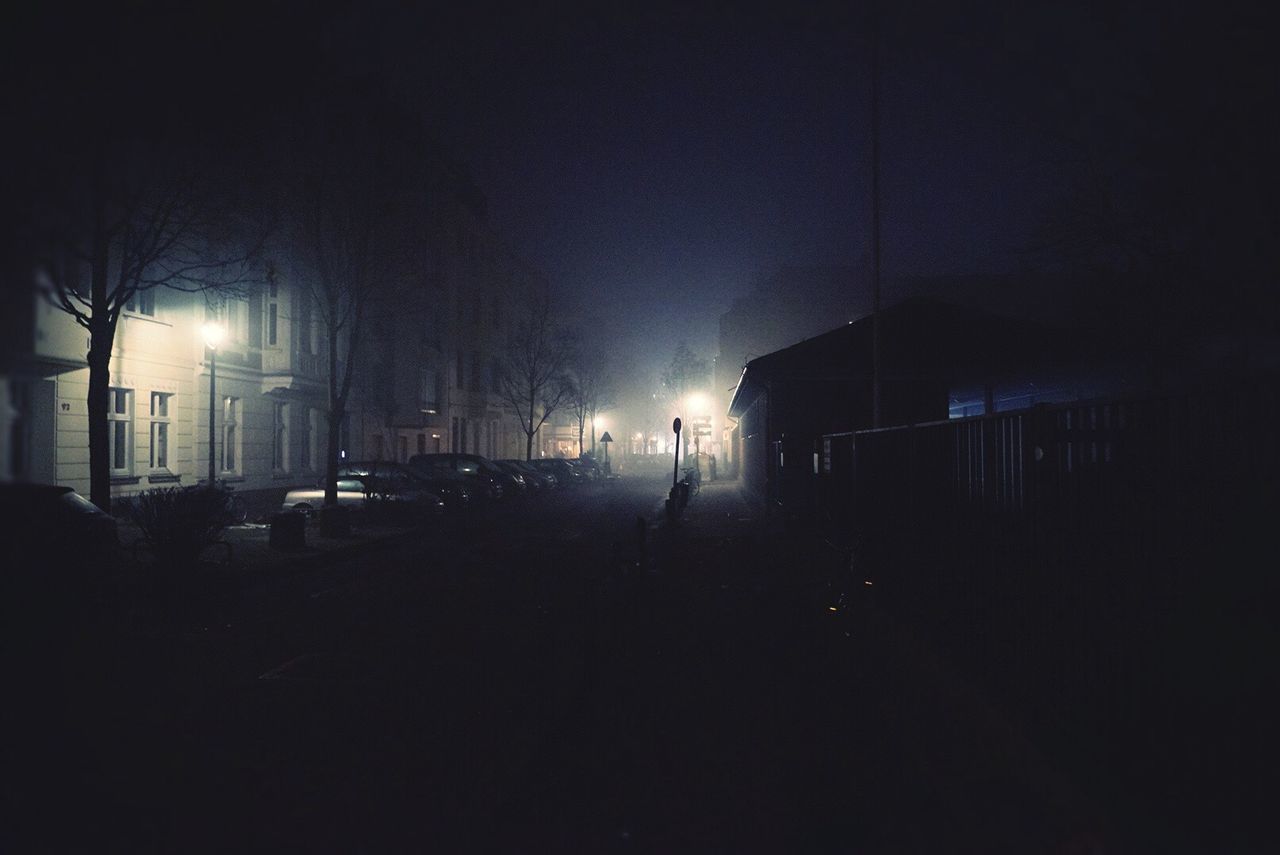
(960, 767)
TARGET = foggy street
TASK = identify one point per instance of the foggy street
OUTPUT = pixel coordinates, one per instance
(519, 682)
(698, 427)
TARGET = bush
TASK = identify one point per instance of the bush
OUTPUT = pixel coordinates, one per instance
(179, 523)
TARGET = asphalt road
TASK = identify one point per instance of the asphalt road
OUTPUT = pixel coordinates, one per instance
(530, 680)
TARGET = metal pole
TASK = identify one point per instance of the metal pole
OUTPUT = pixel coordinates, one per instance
(875, 215)
(213, 374)
(675, 470)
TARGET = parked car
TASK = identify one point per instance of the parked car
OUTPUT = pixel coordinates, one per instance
(360, 492)
(454, 489)
(527, 484)
(482, 469)
(566, 473)
(543, 481)
(52, 517)
(589, 466)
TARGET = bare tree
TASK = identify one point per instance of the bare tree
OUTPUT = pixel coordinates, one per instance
(532, 377)
(591, 391)
(350, 207)
(134, 216)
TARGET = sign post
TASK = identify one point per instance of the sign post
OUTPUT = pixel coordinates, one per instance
(605, 440)
(675, 470)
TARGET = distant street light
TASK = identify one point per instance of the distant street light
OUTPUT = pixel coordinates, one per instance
(213, 333)
(597, 423)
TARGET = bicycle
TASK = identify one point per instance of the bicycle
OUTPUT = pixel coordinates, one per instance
(693, 477)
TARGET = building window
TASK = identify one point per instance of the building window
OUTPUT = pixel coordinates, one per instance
(304, 341)
(430, 400)
(422, 443)
(233, 314)
(280, 437)
(310, 433)
(273, 312)
(231, 436)
(404, 449)
(161, 407)
(477, 376)
(120, 418)
(453, 436)
(142, 303)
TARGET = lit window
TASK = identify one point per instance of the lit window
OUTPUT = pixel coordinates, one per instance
(161, 407)
(142, 303)
(120, 419)
(230, 435)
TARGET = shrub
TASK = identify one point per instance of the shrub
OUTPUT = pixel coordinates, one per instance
(179, 523)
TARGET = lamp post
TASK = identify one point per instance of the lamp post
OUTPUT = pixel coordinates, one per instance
(213, 333)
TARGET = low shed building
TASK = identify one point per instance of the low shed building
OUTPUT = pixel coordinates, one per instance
(789, 403)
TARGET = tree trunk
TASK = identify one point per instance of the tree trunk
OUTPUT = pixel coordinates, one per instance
(98, 404)
(101, 333)
(582, 431)
(528, 447)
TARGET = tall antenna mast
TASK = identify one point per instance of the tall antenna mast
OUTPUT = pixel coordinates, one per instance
(875, 215)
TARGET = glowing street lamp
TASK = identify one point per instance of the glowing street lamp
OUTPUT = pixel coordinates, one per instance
(597, 423)
(697, 405)
(213, 333)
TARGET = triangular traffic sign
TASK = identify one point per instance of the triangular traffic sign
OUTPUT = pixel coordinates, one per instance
(606, 437)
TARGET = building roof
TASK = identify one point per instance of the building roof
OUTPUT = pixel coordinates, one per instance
(920, 336)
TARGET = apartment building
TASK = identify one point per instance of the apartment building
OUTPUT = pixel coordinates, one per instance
(268, 399)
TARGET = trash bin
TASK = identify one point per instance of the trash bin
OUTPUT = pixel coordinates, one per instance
(288, 530)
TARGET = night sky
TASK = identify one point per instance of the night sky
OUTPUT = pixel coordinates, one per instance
(657, 162)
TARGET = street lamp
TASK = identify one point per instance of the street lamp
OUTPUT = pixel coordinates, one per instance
(213, 333)
(697, 405)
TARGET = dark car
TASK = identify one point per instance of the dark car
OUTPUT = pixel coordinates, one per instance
(59, 514)
(542, 481)
(454, 489)
(566, 473)
(589, 466)
(527, 483)
(481, 469)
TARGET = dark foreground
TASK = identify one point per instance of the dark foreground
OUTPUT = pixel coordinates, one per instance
(534, 680)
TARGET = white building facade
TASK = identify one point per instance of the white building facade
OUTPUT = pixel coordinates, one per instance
(268, 405)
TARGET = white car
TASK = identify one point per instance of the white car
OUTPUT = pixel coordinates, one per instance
(357, 493)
